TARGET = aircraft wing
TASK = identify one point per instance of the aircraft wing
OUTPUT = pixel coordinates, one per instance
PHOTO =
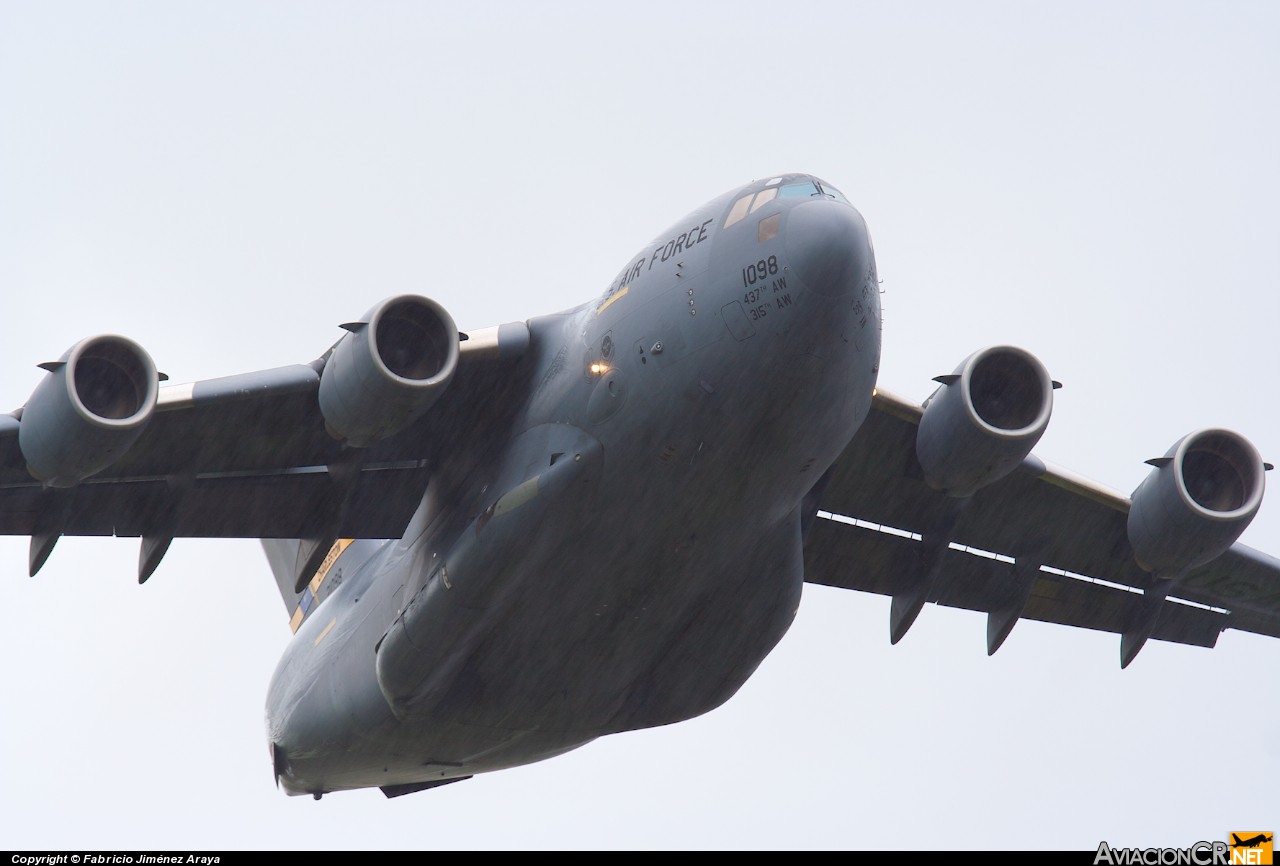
(253, 456)
(1040, 543)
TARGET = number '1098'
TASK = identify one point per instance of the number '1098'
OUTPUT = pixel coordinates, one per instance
(760, 270)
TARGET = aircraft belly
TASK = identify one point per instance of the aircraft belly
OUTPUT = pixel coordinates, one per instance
(608, 638)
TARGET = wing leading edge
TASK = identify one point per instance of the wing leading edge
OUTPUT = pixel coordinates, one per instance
(1040, 543)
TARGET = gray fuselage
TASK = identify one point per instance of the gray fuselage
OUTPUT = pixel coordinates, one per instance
(629, 548)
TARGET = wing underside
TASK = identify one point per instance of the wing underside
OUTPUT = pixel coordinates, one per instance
(1038, 544)
(256, 456)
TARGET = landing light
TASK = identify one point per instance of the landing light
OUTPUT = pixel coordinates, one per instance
(597, 369)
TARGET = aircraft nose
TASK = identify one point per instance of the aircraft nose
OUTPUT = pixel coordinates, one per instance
(827, 247)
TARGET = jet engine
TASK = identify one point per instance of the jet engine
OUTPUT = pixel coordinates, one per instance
(89, 410)
(387, 372)
(984, 420)
(1196, 502)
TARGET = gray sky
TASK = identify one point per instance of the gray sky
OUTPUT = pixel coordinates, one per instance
(226, 183)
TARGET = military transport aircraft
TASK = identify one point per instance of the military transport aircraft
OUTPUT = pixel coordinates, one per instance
(494, 546)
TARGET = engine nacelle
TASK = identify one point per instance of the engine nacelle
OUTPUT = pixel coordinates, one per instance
(388, 371)
(89, 410)
(984, 420)
(1194, 505)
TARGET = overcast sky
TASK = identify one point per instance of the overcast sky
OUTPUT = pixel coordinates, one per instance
(227, 182)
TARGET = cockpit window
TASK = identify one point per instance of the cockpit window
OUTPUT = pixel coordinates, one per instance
(800, 190)
(745, 205)
(763, 198)
(808, 188)
(831, 191)
(752, 202)
(738, 211)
